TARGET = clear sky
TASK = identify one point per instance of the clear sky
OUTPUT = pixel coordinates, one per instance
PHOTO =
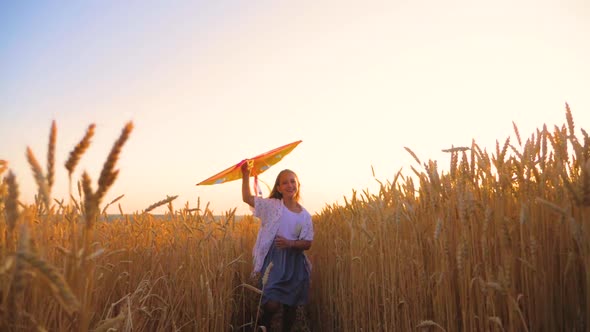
(208, 84)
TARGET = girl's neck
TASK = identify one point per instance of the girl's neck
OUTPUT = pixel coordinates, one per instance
(291, 204)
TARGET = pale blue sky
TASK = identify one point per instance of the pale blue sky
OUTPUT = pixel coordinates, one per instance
(208, 84)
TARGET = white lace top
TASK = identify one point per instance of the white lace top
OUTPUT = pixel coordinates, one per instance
(269, 211)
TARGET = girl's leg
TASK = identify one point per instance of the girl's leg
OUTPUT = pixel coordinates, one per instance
(270, 309)
(289, 314)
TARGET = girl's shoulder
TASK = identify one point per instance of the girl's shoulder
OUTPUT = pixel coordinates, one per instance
(262, 203)
(305, 212)
(267, 200)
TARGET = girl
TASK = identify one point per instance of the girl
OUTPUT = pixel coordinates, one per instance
(286, 231)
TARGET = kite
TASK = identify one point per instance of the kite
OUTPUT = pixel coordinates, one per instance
(257, 164)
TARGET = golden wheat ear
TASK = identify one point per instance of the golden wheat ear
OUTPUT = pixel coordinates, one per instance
(78, 151)
(39, 178)
(108, 175)
(104, 210)
(266, 274)
(90, 203)
(51, 156)
(160, 203)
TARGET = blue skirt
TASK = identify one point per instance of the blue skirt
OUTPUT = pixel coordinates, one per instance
(288, 279)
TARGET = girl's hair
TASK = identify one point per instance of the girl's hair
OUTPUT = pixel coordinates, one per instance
(275, 193)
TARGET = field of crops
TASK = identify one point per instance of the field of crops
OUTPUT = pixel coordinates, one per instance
(494, 241)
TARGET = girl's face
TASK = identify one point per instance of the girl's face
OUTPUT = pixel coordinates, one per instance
(288, 185)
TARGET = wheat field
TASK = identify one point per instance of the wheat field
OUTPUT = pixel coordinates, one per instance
(494, 241)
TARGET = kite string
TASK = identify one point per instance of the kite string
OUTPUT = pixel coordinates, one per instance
(257, 188)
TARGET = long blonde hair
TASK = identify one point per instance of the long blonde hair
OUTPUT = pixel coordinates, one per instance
(276, 194)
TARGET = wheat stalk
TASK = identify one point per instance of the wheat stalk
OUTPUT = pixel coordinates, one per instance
(264, 281)
(516, 133)
(167, 200)
(569, 119)
(586, 183)
(428, 323)
(111, 324)
(51, 156)
(39, 178)
(250, 287)
(58, 286)
(454, 149)
(108, 175)
(554, 207)
(11, 204)
(413, 155)
(496, 320)
(266, 274)
(77, 153)
(3, 185)
(438, 228)
(90, 203)
(111, 203)
(79, 150)
(18, 280)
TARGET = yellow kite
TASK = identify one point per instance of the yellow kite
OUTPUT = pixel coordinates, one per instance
(258, 165)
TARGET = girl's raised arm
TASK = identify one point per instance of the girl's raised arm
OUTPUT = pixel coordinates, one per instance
(246, 192)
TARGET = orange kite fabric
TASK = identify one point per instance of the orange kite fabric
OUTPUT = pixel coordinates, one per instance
(258, 165)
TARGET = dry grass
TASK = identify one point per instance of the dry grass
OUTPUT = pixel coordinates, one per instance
(496, 242)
